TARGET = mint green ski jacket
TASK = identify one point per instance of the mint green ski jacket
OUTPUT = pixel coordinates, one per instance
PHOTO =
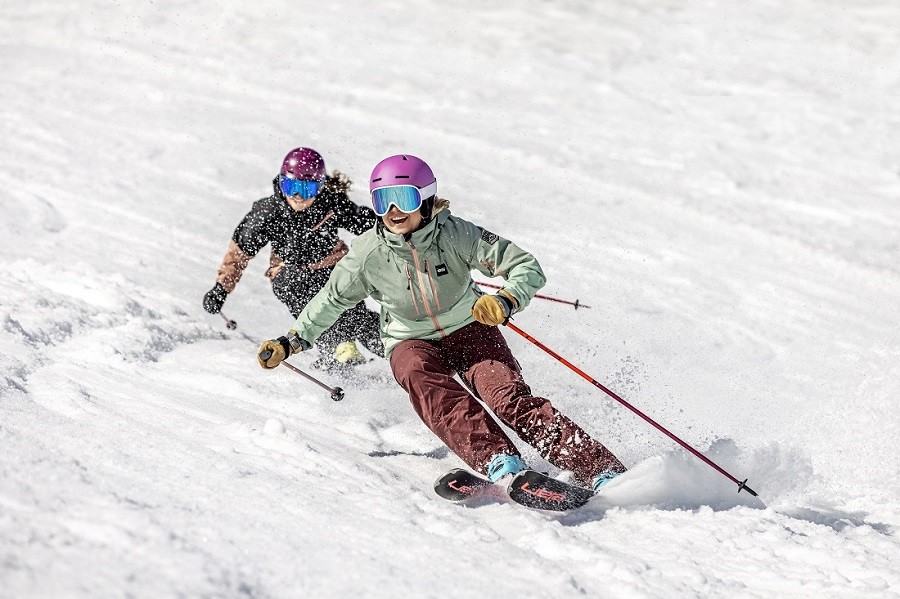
(424, 285)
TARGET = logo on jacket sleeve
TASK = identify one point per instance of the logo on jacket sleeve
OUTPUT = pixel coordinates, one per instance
(488, 237)
(441, 269)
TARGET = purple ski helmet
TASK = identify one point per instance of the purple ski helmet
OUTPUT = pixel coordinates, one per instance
(402, 169)
(405, 169)
(305, 164)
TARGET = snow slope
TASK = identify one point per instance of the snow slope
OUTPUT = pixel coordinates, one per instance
(720, 181)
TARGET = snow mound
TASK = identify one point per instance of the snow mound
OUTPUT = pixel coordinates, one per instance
(679, 480)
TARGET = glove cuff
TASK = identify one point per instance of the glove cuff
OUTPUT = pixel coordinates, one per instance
(293, 343)
(285, 345)
(508, 302)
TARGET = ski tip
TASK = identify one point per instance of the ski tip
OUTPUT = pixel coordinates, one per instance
(442, 479)
(459, 484)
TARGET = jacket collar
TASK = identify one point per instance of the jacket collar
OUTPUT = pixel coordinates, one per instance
(422, 239)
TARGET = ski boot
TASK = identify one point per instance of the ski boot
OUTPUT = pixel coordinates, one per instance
(504, 464)
(602, 479)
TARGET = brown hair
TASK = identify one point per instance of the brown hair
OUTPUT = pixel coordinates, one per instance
(439, 204)
(338, 182)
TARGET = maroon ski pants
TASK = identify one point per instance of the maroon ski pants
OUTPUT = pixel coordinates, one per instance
(481, 357)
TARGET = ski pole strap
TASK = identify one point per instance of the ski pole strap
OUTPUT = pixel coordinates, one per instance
(742, 485)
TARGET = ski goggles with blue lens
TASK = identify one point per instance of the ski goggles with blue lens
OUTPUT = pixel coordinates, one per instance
(299, 187)
(407, 198)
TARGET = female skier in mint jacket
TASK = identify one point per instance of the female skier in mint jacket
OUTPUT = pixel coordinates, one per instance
(416, 263)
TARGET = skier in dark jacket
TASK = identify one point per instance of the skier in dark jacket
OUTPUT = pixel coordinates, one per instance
(301, 221)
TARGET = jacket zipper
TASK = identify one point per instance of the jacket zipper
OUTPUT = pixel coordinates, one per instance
(424, 291)
(412, 295)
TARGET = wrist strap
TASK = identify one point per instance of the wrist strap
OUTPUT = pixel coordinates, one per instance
(295, 343)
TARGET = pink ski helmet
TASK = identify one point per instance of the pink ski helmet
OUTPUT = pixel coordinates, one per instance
(402, 169)
(304, 164)
(405, 170)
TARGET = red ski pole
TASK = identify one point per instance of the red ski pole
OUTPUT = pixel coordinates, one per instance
(576, 303)
(742, 485)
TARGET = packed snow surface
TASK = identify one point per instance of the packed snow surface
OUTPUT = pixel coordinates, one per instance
(718, 181)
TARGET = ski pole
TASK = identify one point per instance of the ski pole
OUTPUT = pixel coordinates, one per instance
(742, 485)
(337, 394)
(576, 303)
(229, 324)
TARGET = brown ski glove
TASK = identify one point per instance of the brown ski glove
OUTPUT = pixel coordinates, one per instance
(273, 351)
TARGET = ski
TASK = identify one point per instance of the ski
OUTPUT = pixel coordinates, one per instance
(528, 488)
(542, 492)
(459, 485)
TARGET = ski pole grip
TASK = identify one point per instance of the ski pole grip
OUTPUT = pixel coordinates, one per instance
(265, 355)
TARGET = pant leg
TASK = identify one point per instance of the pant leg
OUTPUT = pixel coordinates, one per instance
(365, 326)
(445, 406)
(294, 287)
(331, 338)
(356, 323)
(481, 354)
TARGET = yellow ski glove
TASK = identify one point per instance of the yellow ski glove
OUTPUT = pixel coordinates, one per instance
(494, 310)
(273, 351)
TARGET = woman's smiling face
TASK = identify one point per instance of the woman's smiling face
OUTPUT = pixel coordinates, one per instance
(298, 204)
(400, 222)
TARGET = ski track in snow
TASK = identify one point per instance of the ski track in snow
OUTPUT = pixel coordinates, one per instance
(721, 183)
